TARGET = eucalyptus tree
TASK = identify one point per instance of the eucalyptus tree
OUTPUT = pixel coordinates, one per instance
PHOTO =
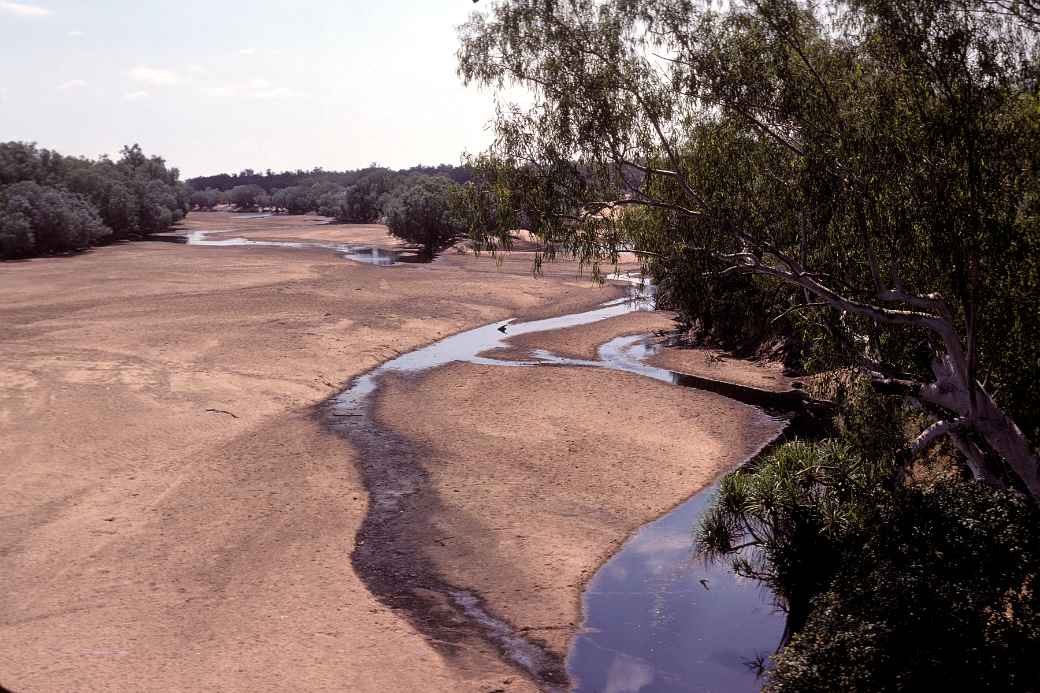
(874, 162)
(245, 196)
(422, 210)
(206, 199)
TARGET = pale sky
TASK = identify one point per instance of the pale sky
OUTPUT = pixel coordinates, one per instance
(221, 86)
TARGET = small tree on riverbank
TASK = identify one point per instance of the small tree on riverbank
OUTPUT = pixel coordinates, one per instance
(422, 211)
(915, 588)
(245, 197)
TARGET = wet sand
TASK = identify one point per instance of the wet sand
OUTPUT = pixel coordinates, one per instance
(176, 518)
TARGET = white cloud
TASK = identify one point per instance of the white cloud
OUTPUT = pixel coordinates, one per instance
(247, 51)
(155, 75)
(24, 9)
(75, 33)
(72, 84)
(135, 96)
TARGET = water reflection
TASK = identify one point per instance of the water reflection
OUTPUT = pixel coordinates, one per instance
(370, 255)
(658, 619)
(627, 675)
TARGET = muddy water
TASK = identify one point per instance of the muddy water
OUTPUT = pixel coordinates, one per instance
(656, 618)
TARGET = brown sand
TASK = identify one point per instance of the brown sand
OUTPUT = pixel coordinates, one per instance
(718, 365)
(174, 518)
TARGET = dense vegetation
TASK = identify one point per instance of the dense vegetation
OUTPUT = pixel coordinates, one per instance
(920, 587)
(858, 182)
(271, 181)
(51, 203)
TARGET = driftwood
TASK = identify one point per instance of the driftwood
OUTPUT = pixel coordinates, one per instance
(222, 411)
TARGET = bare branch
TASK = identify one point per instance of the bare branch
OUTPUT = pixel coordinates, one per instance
(934, 432)
(797, 308)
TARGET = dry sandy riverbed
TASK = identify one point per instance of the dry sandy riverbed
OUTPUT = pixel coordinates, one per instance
(176, 517)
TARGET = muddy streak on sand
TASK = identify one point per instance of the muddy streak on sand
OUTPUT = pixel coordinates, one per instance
(386, 555)
(392, 562)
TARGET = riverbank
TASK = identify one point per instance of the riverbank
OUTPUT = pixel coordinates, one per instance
(176, 518)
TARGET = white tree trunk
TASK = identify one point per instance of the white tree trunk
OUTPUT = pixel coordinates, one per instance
(983, 415)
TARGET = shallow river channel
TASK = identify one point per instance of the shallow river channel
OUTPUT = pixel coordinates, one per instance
(656, 618)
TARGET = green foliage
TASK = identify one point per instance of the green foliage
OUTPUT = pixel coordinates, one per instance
(271, 181)
(206, 199)
(21, 161)
(861, 180)
(38, 219)
(294, 200)
(877, 145)
(423, 212)
(362, 202)
(784, 521)
(134, 196)
(245, 197)
(886, 588)
(936, 591)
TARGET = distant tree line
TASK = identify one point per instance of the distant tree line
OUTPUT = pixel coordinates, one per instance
(50, 203)
(270, 181)
(417, 204)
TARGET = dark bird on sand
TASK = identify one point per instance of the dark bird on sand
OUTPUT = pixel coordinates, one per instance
(502, 329)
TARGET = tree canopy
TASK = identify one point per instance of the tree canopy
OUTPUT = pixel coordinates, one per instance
(923, 587)
(867, 171)
(423, 211)
(858, 180)
(39, 219)
(57, 203)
